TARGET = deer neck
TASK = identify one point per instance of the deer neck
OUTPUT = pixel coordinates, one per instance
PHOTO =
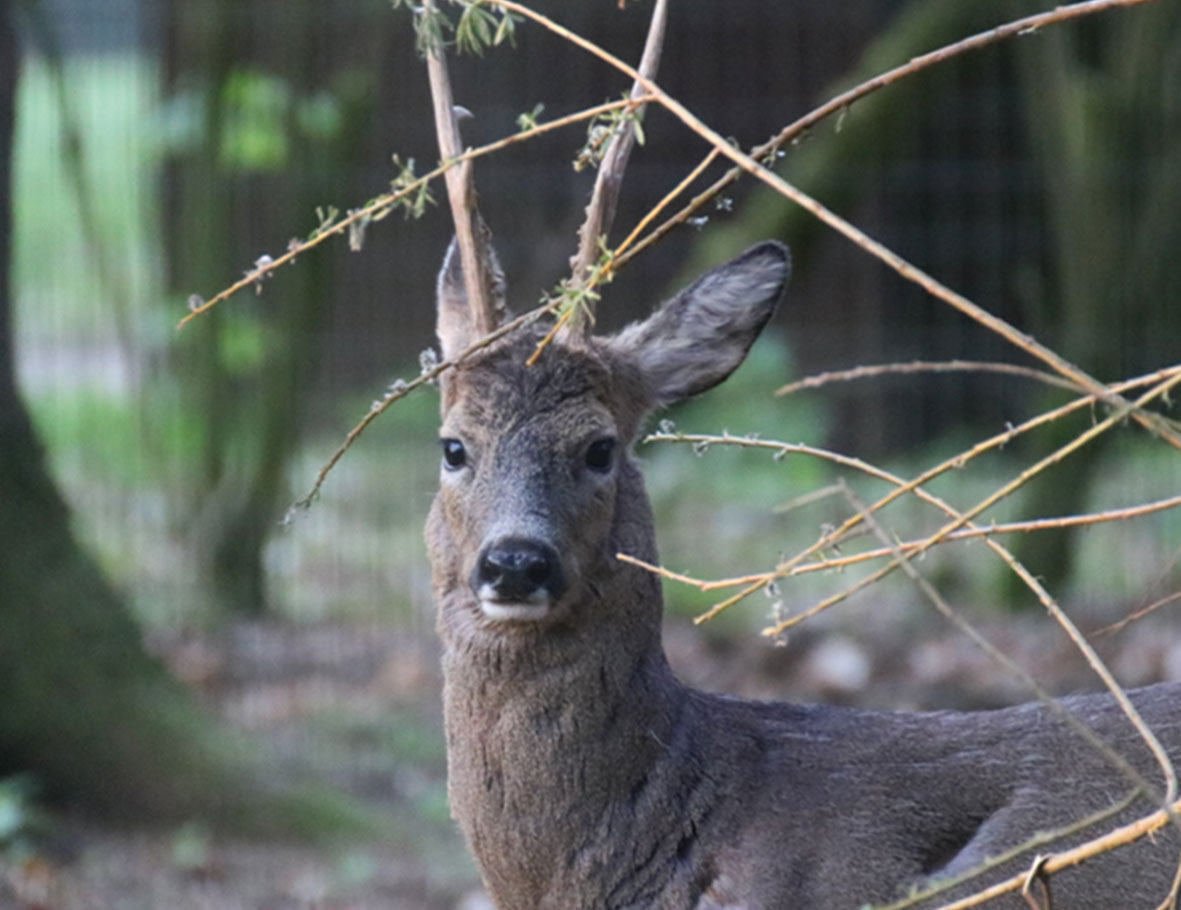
(550, 731)
(544, 768)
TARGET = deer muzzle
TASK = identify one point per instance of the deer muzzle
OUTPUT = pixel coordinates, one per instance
(517, 579)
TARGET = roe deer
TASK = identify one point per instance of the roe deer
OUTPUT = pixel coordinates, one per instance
(582, 772)
(585, 775)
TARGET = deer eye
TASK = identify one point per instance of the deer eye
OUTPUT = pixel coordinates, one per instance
(599, 455)
(454, 454)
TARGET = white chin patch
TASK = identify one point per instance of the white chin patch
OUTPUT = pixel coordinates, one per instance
(513, 612)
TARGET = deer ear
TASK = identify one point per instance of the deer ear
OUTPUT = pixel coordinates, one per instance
(454, 324)
(700, 337)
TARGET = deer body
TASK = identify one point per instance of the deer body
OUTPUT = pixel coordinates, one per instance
(585, 775)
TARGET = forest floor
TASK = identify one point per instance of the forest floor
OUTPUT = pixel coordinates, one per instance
(356, 706)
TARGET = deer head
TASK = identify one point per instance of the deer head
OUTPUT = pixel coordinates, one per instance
(538, 490)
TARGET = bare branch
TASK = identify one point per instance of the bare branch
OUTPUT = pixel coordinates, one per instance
(958, 522)
(600, 211)
(1139, 614)
(794, 565)
(918, 366)
(475, 251)
(1170, 901)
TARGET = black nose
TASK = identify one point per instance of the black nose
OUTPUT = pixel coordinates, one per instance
(516, 569)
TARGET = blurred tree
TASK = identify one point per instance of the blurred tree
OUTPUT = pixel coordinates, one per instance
(1101, 105)
(266, 114)
(83, 705)
(97, 720)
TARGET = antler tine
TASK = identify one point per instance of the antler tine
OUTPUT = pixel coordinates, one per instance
(471, 233)
(600, 211)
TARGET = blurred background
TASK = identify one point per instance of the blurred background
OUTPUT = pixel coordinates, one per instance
(197, 698)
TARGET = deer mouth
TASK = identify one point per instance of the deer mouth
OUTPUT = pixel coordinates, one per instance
(503, 611)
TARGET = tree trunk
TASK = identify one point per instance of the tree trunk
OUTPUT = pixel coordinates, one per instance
(224, 211)
(97, 720)
(84, 706)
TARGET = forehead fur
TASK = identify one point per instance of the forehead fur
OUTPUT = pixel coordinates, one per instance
(499, 389)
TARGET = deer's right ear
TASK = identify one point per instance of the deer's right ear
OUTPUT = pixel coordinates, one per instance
(455, 326)
(702, 335)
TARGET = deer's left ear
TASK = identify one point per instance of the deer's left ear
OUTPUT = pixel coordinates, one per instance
(702, 335)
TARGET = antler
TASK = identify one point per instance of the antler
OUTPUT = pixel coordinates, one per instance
(600, 211)
(480, 273)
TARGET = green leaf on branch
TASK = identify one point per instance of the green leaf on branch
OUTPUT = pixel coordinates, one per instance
(475, 29)
(326, 217)
(600, 130)
(430, 26)
(414, 203)
(528, 120)
(480, 27)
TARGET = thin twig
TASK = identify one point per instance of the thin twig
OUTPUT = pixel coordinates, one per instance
(1170, 901)
(1164, 573)
(806, 499)
(1037, 873)
(1003, 492)
(654, 212)
(698, 583)
(923, 366)
(1139, 614)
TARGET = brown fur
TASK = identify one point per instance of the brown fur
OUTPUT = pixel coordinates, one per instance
(585, 775)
